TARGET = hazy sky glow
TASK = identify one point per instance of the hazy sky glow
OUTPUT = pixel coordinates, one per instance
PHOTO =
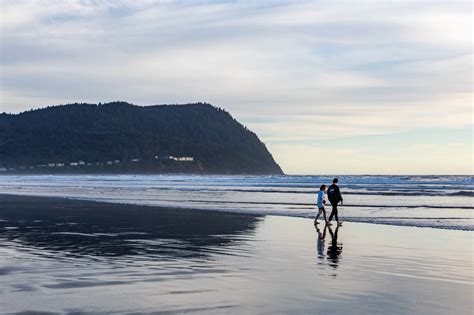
(332, 87)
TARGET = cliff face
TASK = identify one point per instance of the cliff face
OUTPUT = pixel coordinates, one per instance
(120, 137)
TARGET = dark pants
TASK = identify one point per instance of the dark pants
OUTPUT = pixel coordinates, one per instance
(334, 211)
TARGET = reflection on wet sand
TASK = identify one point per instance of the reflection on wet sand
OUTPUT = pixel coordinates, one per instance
(335, 248)
(111, 230)
(321, 242)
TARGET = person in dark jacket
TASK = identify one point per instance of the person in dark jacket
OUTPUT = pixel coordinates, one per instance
(334, 196)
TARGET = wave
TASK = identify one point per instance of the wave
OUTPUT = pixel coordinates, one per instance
(465, 193)
(310, 190)
(365, 193)
(313, 205)
(415, 222)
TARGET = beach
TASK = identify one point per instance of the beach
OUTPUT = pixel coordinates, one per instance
(422, 201)
(61, 256)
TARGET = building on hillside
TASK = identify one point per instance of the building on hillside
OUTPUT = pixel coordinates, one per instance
(179, 158)
(185, 159)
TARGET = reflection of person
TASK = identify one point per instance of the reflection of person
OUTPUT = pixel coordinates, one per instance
(321, 202)
(334, 196)
(334, 250)
(321, 240)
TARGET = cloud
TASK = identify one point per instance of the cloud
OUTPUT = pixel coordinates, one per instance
(312, 69)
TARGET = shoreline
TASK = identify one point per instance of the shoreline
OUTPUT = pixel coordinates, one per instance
(237, 212)
(255, 174)
(45, 199)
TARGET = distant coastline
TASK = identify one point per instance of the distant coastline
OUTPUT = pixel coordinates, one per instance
(122, 138)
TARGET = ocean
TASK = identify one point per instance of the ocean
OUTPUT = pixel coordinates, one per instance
(424, 201)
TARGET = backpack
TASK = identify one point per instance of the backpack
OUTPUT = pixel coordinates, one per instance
(332, 195)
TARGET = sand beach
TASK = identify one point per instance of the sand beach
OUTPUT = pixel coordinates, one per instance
(62, 256)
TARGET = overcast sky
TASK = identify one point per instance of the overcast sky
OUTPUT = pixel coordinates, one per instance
(332, 87)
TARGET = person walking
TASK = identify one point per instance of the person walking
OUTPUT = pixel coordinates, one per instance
(321, 202)
(334, 196)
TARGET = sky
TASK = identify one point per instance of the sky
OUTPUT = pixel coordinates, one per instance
(331, 87)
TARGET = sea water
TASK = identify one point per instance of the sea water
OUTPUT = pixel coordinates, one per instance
(425, 201)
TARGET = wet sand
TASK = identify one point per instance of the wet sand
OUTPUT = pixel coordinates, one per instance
(65, 256)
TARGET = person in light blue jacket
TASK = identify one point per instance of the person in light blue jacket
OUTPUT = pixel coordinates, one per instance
(321, 202)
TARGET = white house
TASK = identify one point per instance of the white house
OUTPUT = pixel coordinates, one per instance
(185, 159)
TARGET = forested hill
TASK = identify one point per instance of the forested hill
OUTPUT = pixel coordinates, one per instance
(121, 137)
